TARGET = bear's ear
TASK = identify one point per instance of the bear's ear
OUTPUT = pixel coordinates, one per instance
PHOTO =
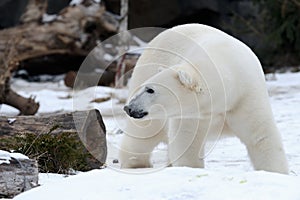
(187, 80)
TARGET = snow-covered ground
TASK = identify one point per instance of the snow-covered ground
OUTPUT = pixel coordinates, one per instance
(169, 184)
(228, 173)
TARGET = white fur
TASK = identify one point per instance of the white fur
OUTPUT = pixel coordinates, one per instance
(212, 84)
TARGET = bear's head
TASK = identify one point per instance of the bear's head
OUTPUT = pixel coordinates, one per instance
(173, 92)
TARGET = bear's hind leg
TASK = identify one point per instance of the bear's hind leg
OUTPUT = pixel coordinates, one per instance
(266, 153)
(261, 137)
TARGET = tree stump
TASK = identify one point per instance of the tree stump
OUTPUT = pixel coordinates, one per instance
(17, 175)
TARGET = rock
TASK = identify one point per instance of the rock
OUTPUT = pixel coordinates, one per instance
(18, 173)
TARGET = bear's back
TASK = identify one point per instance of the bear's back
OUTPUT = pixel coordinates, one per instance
(209, 49)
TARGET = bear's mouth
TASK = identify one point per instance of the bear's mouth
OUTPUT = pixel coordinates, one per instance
(137, 114)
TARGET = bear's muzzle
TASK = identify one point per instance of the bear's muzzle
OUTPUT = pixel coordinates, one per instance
(137, 114)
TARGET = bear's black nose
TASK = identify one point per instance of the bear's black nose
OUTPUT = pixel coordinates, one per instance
(127, 110)
(135, 113)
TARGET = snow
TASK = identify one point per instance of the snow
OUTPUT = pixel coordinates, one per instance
(11, 120)
(56, 97)
(5, 157)
(228, 173)
(18, 156)
(108, 57)
(169, 184)
(75, 2)
(50, 178)
(48, 18)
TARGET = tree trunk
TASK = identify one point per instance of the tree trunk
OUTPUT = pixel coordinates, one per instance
(123, 44)
(75, 31)
(27, 106)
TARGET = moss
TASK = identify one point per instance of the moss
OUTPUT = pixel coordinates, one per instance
(59, 153)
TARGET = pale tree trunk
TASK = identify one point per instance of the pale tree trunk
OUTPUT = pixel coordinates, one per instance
(123, 44)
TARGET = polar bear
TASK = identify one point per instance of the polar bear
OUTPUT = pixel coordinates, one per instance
(194, 83)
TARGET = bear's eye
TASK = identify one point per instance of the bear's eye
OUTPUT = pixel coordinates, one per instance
(149, 90)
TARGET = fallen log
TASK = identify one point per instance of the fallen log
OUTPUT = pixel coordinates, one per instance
(75, 31)
(87, 124)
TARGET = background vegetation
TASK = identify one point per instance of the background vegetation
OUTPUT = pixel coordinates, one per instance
(274, 25)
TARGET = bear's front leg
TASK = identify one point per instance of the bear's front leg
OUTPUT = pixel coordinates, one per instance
(186, 143)
(138, 142)
(134, 153)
